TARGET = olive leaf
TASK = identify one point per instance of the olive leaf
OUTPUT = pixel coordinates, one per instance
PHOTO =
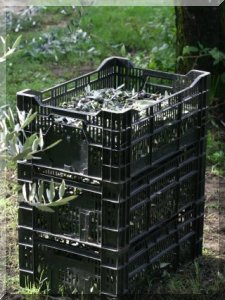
(24, 192)
(35, 144)
(30, 117)
(32, 192)
(164, 265)
(17, 42)
(52, 145)
(7, 50)
(110, 99)
(41, 139)
(3, 45)
(36, 196)
(11, 132)
(62, 201)
(40, 191)
(21, 115)
(29, 141)
(51, 191)
(44, 208)
(62, 189)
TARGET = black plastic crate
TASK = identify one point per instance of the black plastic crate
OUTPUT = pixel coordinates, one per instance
(141, 176)
(116, 145)
(111, 214)
(160, 225)
(80, 268)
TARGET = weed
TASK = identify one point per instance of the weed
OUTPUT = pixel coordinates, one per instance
(216, 153)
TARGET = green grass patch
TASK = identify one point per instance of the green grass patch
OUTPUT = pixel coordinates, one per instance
(58, 43)
(216, 152)
(205, 276)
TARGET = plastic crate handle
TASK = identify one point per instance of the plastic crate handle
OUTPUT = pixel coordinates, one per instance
(115, 61)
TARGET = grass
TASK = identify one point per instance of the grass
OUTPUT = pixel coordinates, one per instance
(8, 204)
(136, 32)
(201, 277)
(216, 152)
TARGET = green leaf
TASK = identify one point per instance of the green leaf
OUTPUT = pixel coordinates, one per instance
(24, 155)
(3, 45)
(51, 191)
(28, 120)
(10, 117)
(2, 39)
(62, 201)
(44, 208)
(201, 47)
(21, 116)
(32, 192)
(217, 55)
(189, 49)
(180, 58)
(8, 137)
(40, 191)
(120, 87)
(62, 189)
(35, 145)
(13, 146)
(163, 265)
(41, 139)
(9, 52)
(29, 142)
(17, 41)
(30, 156)
(24, 191)
(123, 50)
(52, 145)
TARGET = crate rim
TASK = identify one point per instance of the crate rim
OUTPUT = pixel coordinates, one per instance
(125, 62)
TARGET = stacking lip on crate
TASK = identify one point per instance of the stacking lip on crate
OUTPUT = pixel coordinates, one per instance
(133, 143)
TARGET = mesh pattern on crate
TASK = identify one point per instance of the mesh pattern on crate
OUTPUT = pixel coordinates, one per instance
(26, 257)
(80, 219)
(163, 192)
(164, 248)
(72, 272)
